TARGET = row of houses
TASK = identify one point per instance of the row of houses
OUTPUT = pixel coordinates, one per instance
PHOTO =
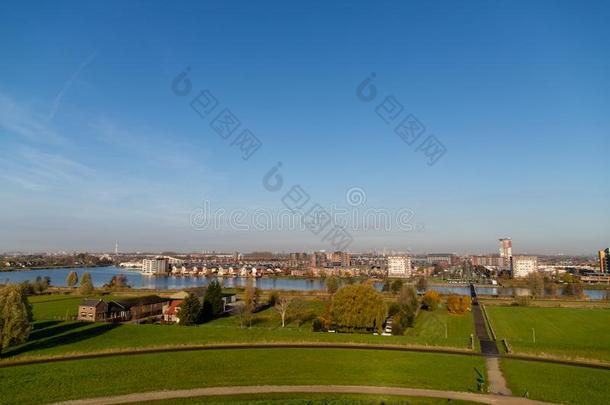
(137, 308)
(222, 272)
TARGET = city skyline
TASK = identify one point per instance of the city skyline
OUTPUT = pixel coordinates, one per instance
(98, 145)
(383, 251)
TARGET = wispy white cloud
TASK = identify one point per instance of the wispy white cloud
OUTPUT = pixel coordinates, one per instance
(17, 119)
(146, 142)
(35, 170)
(67, 84)
(35, 159)
(90, 179)
(22, 182)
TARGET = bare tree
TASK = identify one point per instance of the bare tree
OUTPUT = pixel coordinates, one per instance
(281, 306)
(243, 313)
(251, 298)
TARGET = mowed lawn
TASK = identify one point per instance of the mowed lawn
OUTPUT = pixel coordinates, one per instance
(430, 329)
(49, 382)
(566, 332)
(54, 337)
(57, 306)
(557, 383)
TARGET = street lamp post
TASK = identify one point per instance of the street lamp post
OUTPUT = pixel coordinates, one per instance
(534, 335)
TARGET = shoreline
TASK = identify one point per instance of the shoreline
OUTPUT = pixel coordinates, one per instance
(598, 290)
(68, 266)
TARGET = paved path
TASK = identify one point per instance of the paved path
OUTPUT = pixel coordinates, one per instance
(497, 383)
(488, 344)
(334, 389)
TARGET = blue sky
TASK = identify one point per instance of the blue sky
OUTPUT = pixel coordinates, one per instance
(95, 146)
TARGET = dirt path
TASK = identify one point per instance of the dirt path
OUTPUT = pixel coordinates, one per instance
(335, 389)
(497, 382)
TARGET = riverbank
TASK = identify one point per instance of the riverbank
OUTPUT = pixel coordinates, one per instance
(70, 266)
(101, 275)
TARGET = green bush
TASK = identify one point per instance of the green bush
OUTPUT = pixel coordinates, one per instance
(393, 309)
(319, 325)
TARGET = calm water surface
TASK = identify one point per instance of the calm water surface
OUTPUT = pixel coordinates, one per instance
(102, 275)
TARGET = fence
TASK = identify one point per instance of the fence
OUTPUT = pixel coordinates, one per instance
(506, 345)
(488, 322)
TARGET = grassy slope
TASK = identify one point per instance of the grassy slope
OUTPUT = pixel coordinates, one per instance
(568, 332)
(78, 379)
(53, 337)
(557, 383)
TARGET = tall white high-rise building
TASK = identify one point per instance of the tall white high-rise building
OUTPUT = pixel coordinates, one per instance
(158, 265)
(506, 252)
(524, 265)
(399, 266)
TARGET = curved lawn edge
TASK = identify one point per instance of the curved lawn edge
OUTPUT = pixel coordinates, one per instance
(334, 389)
(252, 346)
(23, 360)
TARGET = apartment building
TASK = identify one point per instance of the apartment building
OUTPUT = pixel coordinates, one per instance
(524, 265)
(399, 266)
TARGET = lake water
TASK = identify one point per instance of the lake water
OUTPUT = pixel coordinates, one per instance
(102, 275)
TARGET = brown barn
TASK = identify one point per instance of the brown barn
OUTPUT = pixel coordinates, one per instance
(136, 308)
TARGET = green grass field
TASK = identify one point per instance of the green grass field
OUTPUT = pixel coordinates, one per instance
(557, 383)
(566, 332)
(54, 337)
(49, 382)
(430, 329)
(54, 306)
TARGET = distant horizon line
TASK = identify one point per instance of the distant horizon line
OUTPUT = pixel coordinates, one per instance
(386, 253)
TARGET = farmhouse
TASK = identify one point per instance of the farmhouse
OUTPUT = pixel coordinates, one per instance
(92, 310)
(117, 312)
(140, 307)
(96, 310)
